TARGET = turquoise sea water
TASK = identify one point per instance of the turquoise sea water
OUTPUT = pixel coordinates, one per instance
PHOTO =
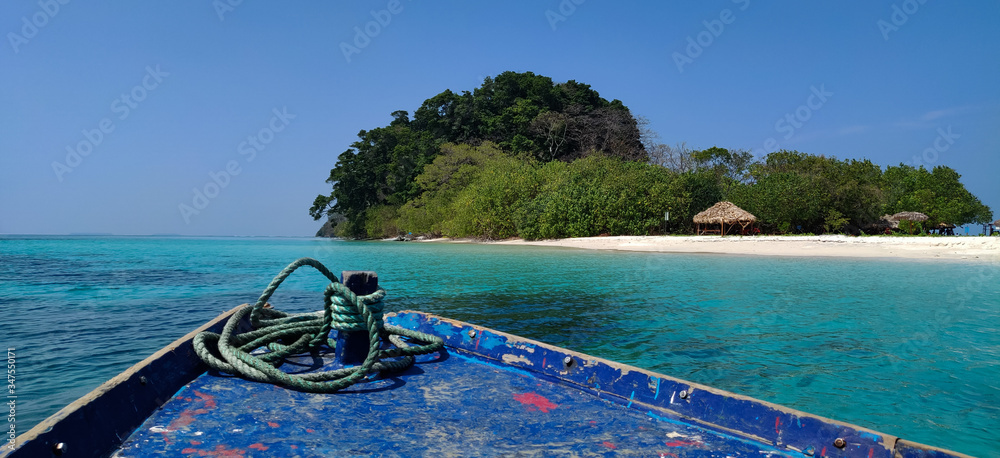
(909, 348)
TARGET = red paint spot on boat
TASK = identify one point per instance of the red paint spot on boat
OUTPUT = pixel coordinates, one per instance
(220, 450)
(777, 421)
(823, 453)
(609, 445)
(477, 342)
(682, 443)
(186, 416)
(870, 452)
(666, 454)
(195, 442)
(593, 422)
(294, 446)
(309, 430)
(535, 401)
(273, 424)
(259, 446)
(543, 363)
(208, 399)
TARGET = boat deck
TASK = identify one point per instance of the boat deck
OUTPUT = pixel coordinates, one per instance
(486, 393)
(448, 404)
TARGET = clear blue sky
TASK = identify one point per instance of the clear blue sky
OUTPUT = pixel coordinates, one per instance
(177, 91)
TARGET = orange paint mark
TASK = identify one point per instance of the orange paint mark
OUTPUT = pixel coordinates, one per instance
(259, 446)
(534, 401)
(220, 450)
(609, 445)
(207, 398)
(682, 443)
(273, 424)
(186, 417)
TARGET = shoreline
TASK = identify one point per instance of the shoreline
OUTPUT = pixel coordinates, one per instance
(952, 248)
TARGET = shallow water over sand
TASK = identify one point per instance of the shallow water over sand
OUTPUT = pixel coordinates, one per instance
(905, 347)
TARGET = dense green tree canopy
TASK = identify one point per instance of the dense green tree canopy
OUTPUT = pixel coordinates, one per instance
(525, 114)
(523, 156)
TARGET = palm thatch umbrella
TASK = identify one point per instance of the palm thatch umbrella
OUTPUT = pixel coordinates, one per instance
(909, 216)
(997, 223)
(723, 213)
(945, 229)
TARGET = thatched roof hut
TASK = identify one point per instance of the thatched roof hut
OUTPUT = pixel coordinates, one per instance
(912, 217)
(997, 223)
(909, 216)
(723, 213)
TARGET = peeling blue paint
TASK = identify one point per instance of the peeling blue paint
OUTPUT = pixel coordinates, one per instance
(438, 406)
(867, 435)
(489, 342)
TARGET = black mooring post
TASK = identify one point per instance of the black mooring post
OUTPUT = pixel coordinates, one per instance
(352, 346)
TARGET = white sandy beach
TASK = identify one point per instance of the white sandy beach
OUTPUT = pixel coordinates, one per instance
(983, 249)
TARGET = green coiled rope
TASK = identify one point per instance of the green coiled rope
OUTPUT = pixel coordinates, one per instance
(342, 311)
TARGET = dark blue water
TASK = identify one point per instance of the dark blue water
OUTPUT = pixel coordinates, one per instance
(909, 348)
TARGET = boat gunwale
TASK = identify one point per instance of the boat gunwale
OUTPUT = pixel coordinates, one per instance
(521, 361)
(146, 385)
(150, 383)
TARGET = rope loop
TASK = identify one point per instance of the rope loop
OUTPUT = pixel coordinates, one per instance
(285, 334)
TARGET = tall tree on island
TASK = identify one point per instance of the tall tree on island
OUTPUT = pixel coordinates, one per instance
(527, 115)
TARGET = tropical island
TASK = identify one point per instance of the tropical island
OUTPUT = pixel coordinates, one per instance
(524, 157)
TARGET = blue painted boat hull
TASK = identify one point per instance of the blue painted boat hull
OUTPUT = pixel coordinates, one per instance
(486, 394)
